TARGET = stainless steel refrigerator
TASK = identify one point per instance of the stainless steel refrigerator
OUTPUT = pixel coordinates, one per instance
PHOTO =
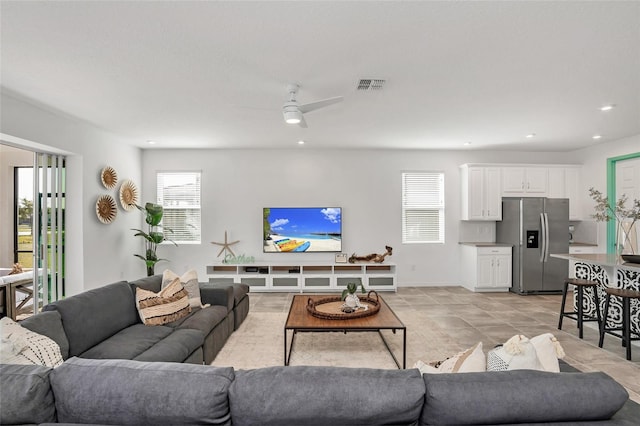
(536, 228)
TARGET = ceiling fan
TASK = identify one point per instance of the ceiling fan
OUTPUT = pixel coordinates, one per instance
(294, 112)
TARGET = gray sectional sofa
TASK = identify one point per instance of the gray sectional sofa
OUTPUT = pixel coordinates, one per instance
(124, 392)
(103, 323)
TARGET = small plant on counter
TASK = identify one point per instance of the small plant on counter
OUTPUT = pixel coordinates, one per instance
(625, 218)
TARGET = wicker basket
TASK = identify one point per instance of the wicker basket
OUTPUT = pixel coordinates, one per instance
(330, 307)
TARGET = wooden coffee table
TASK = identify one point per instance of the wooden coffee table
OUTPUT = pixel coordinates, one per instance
(300, 320)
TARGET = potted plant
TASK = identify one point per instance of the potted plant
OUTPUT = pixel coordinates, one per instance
(154, 235)
(349, 295)
(625, 218)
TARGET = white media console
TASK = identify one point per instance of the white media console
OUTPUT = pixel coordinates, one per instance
(298, 276)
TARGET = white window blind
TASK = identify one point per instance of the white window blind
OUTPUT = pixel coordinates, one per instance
(423, 207)
(179, 195)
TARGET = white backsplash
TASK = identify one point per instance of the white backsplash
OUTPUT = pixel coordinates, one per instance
(586, 231)
(477, 231)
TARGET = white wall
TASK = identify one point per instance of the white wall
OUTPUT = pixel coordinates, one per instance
(594, 174)
(237, 184)
(96, 254)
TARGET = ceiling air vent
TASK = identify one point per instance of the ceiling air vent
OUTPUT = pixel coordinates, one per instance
(370, 84)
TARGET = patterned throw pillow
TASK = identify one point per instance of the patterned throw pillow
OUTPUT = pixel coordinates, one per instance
(518, 353)
(21, 346)
(190, 282)
(170, 304)
(471, 360)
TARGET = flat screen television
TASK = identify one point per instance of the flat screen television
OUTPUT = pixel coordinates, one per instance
(302, 229)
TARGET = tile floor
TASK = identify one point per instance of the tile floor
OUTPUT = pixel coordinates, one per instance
(454, 319)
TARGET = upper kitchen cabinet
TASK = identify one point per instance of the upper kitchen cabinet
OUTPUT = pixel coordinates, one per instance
(564, 182)
(524, 181)
(481, 194)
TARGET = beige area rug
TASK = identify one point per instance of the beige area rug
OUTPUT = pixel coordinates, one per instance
(259, 342)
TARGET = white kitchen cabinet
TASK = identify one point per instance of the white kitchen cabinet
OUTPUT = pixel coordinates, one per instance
(481, 195)
(524, 181)
(486, 268)
(564, 182)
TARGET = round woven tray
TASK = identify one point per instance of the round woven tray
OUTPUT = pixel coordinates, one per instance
(331, 307)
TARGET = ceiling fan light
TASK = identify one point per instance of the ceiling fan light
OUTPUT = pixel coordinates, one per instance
(292, 117)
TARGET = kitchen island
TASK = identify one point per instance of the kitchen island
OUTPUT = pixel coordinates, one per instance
(609, 271)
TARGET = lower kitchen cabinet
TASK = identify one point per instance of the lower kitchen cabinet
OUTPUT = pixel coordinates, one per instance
(486, 268)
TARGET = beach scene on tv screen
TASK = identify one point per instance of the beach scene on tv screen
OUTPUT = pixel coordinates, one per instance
(299, 230)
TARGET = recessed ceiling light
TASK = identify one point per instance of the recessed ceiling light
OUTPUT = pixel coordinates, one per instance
(607, 107)
(467, 143)
(150, 142)
(300, 142)
(530, 135)
(596, 136)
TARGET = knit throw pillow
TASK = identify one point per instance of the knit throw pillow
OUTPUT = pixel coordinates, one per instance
(170, 304)
(21, 346)
(190, 282)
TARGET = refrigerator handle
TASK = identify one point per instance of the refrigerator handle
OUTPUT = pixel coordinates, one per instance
(543, 238)
(546, 237)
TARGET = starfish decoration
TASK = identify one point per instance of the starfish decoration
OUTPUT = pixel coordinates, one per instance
(226, 246)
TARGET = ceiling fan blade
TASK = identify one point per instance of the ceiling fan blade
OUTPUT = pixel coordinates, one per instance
(303, 122)
(320, 104)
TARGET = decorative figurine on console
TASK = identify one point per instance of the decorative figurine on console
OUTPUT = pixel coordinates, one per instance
(373, 257)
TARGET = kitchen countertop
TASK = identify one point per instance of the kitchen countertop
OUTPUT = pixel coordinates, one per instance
(576, 244)
(602, 259)
(484, 244)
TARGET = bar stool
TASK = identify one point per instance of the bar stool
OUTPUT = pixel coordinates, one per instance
(579, 314)
(626, 296)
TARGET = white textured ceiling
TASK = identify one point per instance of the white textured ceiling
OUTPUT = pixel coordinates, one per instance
(214, 74)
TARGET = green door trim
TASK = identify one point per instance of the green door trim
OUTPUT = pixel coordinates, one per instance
(611, 194)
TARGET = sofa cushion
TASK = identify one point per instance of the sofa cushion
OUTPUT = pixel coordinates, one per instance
(204, 320)
(49, 324)
(22, 346)
(326, 395)
(176, 347)
(240, 291)
(26, 395)
(190, 283)
(152, 283)
(139, 393)
(94, 315)
(128, 343)
(520, 396)
(170, 304)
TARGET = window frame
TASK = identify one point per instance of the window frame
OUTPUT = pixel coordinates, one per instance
(424, 204)
(161, 200)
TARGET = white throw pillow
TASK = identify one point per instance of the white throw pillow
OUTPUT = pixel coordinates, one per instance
(21, 346)
(549, 351)
(471, 360)
(189, 281)
(518, 353)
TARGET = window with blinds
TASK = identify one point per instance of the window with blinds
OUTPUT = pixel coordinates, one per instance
(179, 195)
(423, 207)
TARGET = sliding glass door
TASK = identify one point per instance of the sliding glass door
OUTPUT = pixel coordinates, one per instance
(49, 225)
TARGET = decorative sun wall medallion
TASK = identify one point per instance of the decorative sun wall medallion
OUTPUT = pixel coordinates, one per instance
(106, 209)
(128, 195)
(109, 177)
